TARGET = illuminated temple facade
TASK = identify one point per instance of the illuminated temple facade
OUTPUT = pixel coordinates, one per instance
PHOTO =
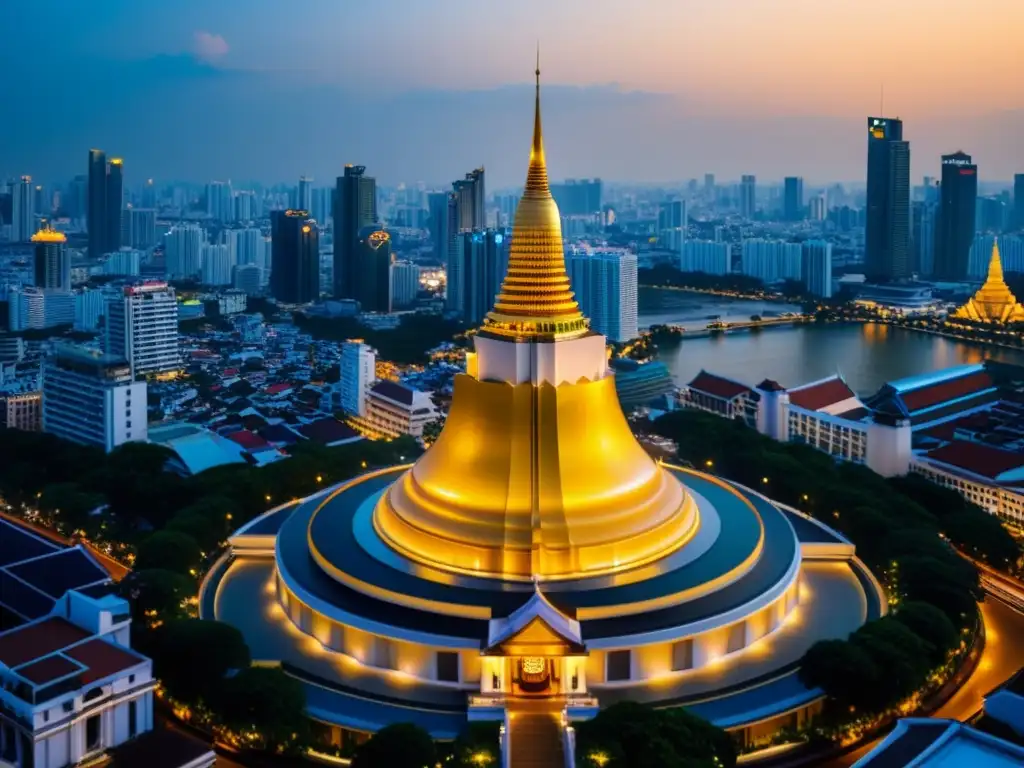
(993, 303)
(537, 553)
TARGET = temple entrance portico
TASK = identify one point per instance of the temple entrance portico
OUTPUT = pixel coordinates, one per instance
(535, 652)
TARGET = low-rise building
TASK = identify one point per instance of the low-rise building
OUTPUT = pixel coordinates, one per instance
(394, 409)
(933, 743)
(22, 410)
(722, 397)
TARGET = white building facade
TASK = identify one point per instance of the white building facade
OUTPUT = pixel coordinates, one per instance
(72, 687)
(605, 284)
(706, 256)
(817, 268)
(142, 328)
(771, 260)
(92, 399)
(357, 375)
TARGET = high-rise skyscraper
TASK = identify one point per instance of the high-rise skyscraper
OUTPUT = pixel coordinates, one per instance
(142, 328)
(437, 221)
(817, 267)
(771, 260)
(605, 284)
(23, 216)
(357, 370)
(304, 194)
(923, 230)
(706, 256)
(96, 212)
(52, 266)
(355, 209)
(405, 283)
(748, 196)
(471, 201)
(295, 263)
(793, 199)
(959, 194)
(183, 251)
(482, 261)
(577, 197)
(216, 265)
(887, 230)
(373, 255)
(1018, 201)
(115, 202)
(141, 227)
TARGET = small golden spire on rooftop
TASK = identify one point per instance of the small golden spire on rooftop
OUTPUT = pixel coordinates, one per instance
(536, 301)
(49, 235)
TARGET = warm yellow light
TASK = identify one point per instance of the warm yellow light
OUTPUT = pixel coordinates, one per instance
(116, 161)
(319, 478)
(305, 228)
(268, 497)
(49, 236)
(600, 759)
(764, 480)
(709, 463)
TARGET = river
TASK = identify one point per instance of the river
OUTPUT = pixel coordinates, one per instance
(867, 355)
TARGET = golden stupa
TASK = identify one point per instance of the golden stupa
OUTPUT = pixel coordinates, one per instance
(993, 303)
(536, 474)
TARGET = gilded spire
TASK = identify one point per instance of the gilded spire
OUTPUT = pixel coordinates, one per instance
(536, 301)
(995, 265)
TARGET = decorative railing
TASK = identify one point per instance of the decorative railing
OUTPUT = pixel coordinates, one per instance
(568, 741)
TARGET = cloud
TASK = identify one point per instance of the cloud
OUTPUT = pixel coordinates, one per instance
(208, 46)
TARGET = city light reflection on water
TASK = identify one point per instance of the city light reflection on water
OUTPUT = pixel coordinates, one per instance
(867, 355)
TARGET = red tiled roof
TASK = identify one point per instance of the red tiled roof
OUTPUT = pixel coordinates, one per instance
(248, 440)
(102, 659)
(933, 394)
(814, 397)
(276, 389)
(717, 386)
(229, 372)
(47, 669)
(977, 458)
(33, 641)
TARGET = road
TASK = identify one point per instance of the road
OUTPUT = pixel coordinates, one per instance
(1002, 657)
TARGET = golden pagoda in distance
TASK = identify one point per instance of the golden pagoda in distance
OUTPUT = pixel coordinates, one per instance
(993, 303)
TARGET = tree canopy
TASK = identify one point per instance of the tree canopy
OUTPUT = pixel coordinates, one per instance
(632, 735)
(192, 657)
(268, 706)
(402, 745)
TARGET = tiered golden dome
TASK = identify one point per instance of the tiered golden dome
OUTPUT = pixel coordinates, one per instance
(994, 302)
(535, 299)
(532, 479)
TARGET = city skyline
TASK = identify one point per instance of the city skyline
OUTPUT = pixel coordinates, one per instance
(217, 93)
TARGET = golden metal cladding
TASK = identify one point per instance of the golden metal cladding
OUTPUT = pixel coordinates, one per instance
(535, 301)
(533, 481)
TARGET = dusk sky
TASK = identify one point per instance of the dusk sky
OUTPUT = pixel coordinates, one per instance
(649, 90)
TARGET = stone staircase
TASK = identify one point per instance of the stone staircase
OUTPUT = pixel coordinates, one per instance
(536, 740)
